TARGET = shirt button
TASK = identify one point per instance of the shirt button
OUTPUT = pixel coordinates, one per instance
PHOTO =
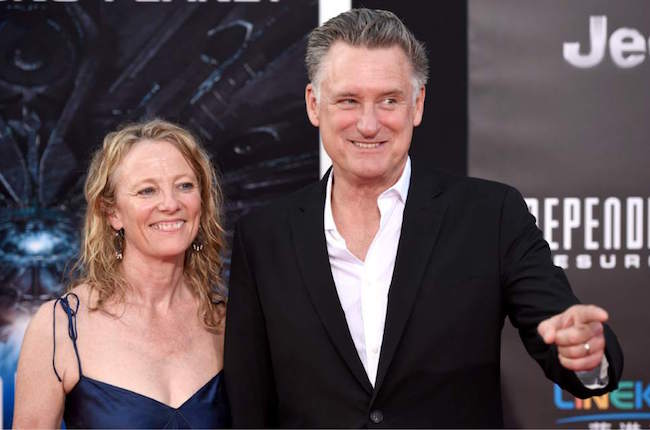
(376, 416)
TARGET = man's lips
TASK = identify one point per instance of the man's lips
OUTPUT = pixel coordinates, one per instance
(367, 145)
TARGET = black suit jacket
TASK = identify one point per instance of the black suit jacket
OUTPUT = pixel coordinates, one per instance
(469, 255)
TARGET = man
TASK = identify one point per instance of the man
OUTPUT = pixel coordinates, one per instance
(377, 296)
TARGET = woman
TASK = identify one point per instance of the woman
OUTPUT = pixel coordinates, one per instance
(138, 341)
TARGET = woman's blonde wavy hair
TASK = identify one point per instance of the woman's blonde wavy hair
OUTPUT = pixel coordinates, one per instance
(98, 266)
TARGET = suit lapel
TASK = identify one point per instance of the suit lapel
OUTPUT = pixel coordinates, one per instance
(423, 215)
(311, 253)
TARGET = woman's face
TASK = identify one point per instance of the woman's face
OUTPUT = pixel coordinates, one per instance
(157, 202)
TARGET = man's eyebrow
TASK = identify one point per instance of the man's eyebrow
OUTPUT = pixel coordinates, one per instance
(395, 92)
(391, 92)
(344, 94)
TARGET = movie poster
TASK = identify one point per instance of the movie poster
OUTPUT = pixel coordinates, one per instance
(230, 71)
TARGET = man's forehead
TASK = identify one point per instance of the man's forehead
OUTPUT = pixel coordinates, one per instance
(342, 58)
(341, 89)
(353, 69)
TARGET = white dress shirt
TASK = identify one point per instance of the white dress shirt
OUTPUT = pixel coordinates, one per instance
(362, 286)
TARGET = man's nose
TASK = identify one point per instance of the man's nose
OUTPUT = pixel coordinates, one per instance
(368, 124)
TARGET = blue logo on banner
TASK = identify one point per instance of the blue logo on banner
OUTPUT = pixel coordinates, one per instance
(630, 396)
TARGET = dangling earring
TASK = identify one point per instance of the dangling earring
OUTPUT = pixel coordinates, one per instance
(118, 241)
(197, 244)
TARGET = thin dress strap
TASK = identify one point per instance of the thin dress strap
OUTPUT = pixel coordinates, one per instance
(72, 327)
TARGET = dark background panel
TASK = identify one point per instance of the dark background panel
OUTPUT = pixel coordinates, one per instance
(441, 139)
(558, 132)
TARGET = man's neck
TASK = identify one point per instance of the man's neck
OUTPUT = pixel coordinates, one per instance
(348, 188)
(355, 210)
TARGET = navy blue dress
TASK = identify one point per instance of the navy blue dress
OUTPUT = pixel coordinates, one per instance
(96, 404)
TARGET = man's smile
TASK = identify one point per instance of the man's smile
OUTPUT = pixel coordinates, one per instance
(367, 145)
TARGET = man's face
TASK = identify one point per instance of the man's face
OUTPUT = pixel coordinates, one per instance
(366, 112)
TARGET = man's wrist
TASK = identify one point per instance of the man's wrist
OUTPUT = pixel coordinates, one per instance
(597, 377)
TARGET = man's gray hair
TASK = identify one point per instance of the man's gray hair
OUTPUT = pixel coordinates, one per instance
(365, 28)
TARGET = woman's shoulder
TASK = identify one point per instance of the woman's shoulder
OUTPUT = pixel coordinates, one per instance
(47, 333)
(53, 311)
(40, 324)
(56, 313)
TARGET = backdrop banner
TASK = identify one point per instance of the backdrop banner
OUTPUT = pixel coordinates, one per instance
(558, 107)
(71, 71)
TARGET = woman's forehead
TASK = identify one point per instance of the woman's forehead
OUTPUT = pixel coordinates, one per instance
(152, 159)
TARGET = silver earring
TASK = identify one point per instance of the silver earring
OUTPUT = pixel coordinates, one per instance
(118, 241)
(197, 245)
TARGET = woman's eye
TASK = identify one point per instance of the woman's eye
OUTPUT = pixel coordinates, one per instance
(186, 186)
(147, 191)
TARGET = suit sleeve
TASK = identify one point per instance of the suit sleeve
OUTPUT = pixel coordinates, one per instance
(535, 289)
(248, 372)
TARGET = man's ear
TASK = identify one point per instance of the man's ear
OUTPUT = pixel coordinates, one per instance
(312, 105)
(419, 106)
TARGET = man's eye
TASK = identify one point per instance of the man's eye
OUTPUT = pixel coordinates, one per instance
(389, 101)
(347, 102)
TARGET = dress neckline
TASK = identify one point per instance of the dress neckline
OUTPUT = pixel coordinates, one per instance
(142, 396)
